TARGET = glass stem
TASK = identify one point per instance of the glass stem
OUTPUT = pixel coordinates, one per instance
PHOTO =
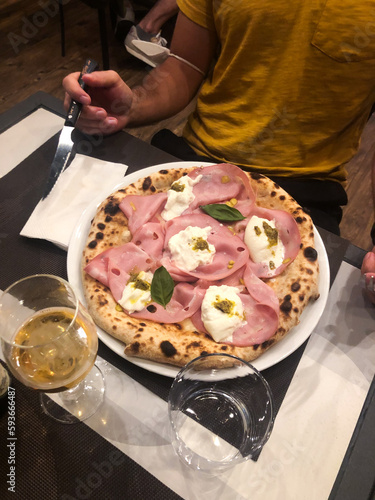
(72, 394)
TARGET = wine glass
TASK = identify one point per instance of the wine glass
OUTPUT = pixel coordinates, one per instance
(50, 344)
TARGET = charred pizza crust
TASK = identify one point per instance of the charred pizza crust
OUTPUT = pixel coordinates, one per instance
(179, 343)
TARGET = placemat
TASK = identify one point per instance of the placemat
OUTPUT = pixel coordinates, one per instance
(94, 468)
(20, 191)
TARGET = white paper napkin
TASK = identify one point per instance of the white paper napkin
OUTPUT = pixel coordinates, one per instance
(55, 217)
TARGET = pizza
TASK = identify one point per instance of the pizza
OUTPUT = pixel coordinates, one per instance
(196, 260)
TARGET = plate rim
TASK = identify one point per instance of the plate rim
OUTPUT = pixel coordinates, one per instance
(290, 343)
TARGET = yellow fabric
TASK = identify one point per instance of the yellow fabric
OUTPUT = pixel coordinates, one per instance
(293, 84)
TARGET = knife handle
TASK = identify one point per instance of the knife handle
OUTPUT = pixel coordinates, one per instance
(75, 107)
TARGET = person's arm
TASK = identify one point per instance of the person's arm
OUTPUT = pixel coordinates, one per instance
(158, 15)
(110, 105)
(171, 86)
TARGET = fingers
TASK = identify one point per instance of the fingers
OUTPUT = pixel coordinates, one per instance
(99, 127)
(368, 264)
(95, 120)
(98, 79)
(73, 90)
(98, 114)
(102, 79)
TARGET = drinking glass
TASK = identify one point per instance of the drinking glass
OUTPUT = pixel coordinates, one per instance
(221, 412)
(50, 344)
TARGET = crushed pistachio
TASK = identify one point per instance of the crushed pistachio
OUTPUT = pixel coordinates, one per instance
(225, 179)
(118, 308)
(178, 186)
(271, 265)
(139, 283)
(226, 306)
(271, 233)
(200, 244)
(257, 230)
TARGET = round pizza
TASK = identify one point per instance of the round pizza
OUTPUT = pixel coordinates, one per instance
(208, 259)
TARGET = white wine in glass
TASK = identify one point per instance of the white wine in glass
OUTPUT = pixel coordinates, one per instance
(50, 344)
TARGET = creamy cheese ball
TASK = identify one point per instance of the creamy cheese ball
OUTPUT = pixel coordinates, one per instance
(137, 294)
(190, 249)
(222, 311)
(179, 197)
(263, 242)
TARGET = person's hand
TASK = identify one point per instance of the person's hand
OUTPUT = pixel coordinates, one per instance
(368, 272)
(106, 103)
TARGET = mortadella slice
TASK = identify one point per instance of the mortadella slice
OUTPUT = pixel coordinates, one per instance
(289, 235)
(150, 238)
(231, 252)
(114, 264)
(220, 183)
(185, 301)
(141, 209)
(261, 309)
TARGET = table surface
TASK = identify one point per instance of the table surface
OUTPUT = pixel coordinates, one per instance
(82, 461)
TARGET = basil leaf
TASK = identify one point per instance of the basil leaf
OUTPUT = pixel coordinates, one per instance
(162, 286)
(222, 212)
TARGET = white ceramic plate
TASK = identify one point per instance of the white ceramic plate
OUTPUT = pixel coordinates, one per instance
(295, 338)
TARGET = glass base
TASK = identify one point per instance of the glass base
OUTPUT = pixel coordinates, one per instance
(76, 404)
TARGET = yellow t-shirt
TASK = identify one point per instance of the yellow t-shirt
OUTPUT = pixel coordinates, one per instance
(292, 87)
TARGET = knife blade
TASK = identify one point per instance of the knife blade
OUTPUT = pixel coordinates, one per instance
(65, 145)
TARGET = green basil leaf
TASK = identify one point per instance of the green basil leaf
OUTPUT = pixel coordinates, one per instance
(222, 212)
(162, 286)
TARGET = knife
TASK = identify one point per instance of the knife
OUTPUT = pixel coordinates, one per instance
(65, 145)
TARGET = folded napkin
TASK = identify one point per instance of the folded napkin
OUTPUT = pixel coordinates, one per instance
(55, 217)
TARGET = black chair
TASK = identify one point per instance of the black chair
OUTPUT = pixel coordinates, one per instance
(101, 6)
